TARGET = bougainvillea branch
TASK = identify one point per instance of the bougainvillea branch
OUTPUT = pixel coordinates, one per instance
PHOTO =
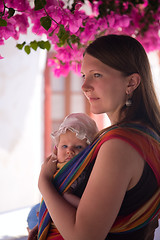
(69, 26)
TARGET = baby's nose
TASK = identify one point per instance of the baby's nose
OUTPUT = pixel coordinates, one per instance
(70, 151)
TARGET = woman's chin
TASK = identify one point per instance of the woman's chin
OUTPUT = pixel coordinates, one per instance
(96, 111)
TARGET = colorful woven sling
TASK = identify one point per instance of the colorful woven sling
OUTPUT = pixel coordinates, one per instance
(146, 142)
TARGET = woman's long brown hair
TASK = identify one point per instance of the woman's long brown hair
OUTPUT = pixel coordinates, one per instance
(127, 55)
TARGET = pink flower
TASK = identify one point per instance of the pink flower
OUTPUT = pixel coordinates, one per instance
(61, 69)
(78, 5)
(8, 31)
(95, 7)
(121, 21)
(19, 5)
(85, 27)
(76, 67)
(75, 23)
(21, 22)
(1, 41)
(55, 12)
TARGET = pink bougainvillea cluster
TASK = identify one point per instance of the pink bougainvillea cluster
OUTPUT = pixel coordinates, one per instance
(70, 28)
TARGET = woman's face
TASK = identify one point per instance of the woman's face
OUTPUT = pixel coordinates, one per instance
(104, 87)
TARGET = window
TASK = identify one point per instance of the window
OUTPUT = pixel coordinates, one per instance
(62, 96)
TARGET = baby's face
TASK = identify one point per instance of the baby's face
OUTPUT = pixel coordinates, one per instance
(69, 146)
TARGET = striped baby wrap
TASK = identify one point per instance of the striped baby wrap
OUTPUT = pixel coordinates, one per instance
(147, 144)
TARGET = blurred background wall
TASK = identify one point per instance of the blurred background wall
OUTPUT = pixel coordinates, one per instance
(21, 125)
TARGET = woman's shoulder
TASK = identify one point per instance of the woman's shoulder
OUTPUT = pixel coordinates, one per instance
(133, 133)
(120, 156)
(118, 147)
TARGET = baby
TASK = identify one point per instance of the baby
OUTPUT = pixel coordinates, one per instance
(75, 133)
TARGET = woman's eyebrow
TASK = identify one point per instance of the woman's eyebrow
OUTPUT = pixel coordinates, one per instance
(91, 71)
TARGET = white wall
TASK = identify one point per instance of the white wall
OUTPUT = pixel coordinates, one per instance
(21, 125)
(155, 67)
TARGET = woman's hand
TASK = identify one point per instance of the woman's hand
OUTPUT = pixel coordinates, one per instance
(48, 169)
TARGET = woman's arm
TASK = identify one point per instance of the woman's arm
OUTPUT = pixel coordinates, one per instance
(112, 174)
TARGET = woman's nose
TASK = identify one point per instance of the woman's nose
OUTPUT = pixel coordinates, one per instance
(86, 86)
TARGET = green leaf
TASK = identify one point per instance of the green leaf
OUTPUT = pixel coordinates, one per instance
(20, 46)
(60, 44)
(81, 29)
(27, 49)
(39, 4)
(45, 22)
(34, 45)
(63, 35)
(51, 33)
(3, 23)
(69, 42)
(11, 12)
(41, 44)
(74, 39)
(61, 32)
(47, 45)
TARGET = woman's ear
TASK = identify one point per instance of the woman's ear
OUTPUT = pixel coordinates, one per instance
(133, 82)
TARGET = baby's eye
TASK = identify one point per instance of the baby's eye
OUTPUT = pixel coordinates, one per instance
(79, 147)
(64, 146)
(96, 75)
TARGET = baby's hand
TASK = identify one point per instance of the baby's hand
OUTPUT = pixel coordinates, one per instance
(48, 169)
(33, 233)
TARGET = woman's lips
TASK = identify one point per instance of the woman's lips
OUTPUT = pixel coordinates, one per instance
(91, 99)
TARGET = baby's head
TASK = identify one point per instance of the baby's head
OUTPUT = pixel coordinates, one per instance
(74, 134)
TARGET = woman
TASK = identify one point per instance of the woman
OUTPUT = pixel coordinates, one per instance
(121, 199)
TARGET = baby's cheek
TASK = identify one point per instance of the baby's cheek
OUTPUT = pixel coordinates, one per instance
(78, 151)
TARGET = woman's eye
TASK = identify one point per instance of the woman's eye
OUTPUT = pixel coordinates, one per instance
(97, 75)
(83, 77)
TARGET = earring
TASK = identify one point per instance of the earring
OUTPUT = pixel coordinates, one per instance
(129, 102)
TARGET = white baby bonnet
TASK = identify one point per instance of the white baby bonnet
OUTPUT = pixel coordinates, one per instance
(79, 123)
